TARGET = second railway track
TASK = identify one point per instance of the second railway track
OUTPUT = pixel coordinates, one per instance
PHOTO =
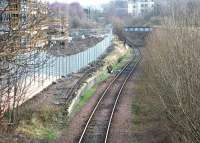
(99, 123)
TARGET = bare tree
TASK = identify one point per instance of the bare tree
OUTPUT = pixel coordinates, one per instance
(172, 69)
(20, 55)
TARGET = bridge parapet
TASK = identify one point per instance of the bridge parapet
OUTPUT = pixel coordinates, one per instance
(139, 29)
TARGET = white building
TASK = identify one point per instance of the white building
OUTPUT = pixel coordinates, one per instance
(140, 7)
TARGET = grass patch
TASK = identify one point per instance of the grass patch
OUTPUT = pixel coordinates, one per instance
(90, 92)
(86, 96)
(123, 60)
(103, 76)
(136, 109)
(43, 123)
(141, 112)
(147, 122)
(145, 109)
(36, 129)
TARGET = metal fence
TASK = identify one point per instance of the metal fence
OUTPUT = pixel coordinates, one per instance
(58, 66)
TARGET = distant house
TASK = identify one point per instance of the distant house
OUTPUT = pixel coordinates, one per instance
(140, 7)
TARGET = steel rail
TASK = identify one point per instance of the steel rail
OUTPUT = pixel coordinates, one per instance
(100, 100)
(73, 89)
(117, 99)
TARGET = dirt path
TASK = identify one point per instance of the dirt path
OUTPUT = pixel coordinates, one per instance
(121, 129)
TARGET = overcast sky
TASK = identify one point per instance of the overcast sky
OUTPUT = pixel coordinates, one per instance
(96, 3)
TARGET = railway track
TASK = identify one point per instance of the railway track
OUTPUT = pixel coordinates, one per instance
(72, 91)
(99, 123)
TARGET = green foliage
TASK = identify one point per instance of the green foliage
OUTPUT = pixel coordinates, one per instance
(7, 115)
(86, 96)
(35, 129)
(136, 109)
(49, 134)
(44, 123)
(103, 76)
(47, 114)
(122, 60)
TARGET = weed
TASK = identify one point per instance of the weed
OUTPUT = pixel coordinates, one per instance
(36, 129)
(86, 96)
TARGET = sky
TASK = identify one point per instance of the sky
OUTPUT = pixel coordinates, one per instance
(84, 3)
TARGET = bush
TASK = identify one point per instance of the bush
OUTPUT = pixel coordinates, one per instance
(171, 68)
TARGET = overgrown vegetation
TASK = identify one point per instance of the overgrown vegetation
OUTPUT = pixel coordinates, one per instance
(86, 96)
(123, 60)
(43, 123)
(171, 71)
(148, 118)
(19, 48)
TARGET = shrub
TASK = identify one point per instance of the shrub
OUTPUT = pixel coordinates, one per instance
(171, 68)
